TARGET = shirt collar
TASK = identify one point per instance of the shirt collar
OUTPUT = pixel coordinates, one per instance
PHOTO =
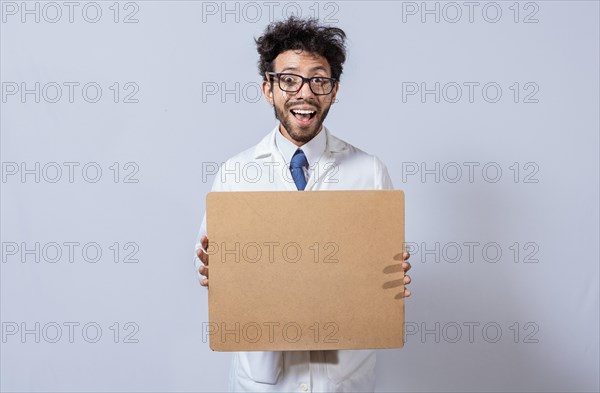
(266, 146)
(313, 149)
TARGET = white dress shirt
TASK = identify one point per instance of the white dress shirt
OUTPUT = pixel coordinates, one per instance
(333, 165)
(313, 150)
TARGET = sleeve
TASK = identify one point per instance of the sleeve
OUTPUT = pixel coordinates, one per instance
(381, 176)
(262, 367)
(217, 185)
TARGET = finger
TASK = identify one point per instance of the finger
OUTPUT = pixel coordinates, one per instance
(204, 242)
(204, 271)
(407, 280)
(406, 266)
(204, 283)
(407, 293)
(406, 255)
(203, 256)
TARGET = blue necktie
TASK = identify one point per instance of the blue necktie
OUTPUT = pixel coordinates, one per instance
(296, 166)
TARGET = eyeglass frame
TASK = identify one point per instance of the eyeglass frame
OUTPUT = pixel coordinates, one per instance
(304, 80)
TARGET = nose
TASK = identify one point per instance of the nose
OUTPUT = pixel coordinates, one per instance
(305, 90)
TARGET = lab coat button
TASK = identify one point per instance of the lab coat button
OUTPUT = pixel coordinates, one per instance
(304, 387)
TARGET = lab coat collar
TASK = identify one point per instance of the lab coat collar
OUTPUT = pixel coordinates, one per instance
(267, 146)
(313, 149)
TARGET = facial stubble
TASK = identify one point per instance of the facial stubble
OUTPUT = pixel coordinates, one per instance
(298, 137)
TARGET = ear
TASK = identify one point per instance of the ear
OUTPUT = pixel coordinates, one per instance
(267, 91)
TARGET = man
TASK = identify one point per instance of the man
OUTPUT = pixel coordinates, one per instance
(301, 62)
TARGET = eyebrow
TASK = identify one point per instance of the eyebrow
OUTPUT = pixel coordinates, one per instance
(317, 68)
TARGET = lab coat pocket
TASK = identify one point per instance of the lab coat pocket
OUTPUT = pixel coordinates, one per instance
(262, 367)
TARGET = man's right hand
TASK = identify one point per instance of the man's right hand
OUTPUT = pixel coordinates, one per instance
(204, 258)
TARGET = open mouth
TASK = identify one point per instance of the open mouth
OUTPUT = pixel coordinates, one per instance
(303, 115)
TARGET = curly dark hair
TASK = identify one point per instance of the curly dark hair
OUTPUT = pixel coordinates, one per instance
(301, 34)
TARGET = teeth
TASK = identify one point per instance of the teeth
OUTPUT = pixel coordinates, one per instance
(303, 112)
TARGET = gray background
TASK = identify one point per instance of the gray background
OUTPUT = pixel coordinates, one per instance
(525, 321)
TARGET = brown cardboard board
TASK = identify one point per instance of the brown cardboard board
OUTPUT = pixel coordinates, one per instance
(311, 270)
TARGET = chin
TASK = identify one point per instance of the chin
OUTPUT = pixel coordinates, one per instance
(304, 135)
(297, 132)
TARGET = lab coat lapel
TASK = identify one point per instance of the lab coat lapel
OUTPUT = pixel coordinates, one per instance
(282, 179)
(267, 150)
(326, 166)
(282, 171)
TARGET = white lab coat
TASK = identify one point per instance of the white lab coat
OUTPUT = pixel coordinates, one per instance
(263, 168)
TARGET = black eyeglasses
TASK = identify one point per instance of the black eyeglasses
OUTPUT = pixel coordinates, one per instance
(292, 83)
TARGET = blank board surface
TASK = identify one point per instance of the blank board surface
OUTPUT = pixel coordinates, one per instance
(308, 270)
